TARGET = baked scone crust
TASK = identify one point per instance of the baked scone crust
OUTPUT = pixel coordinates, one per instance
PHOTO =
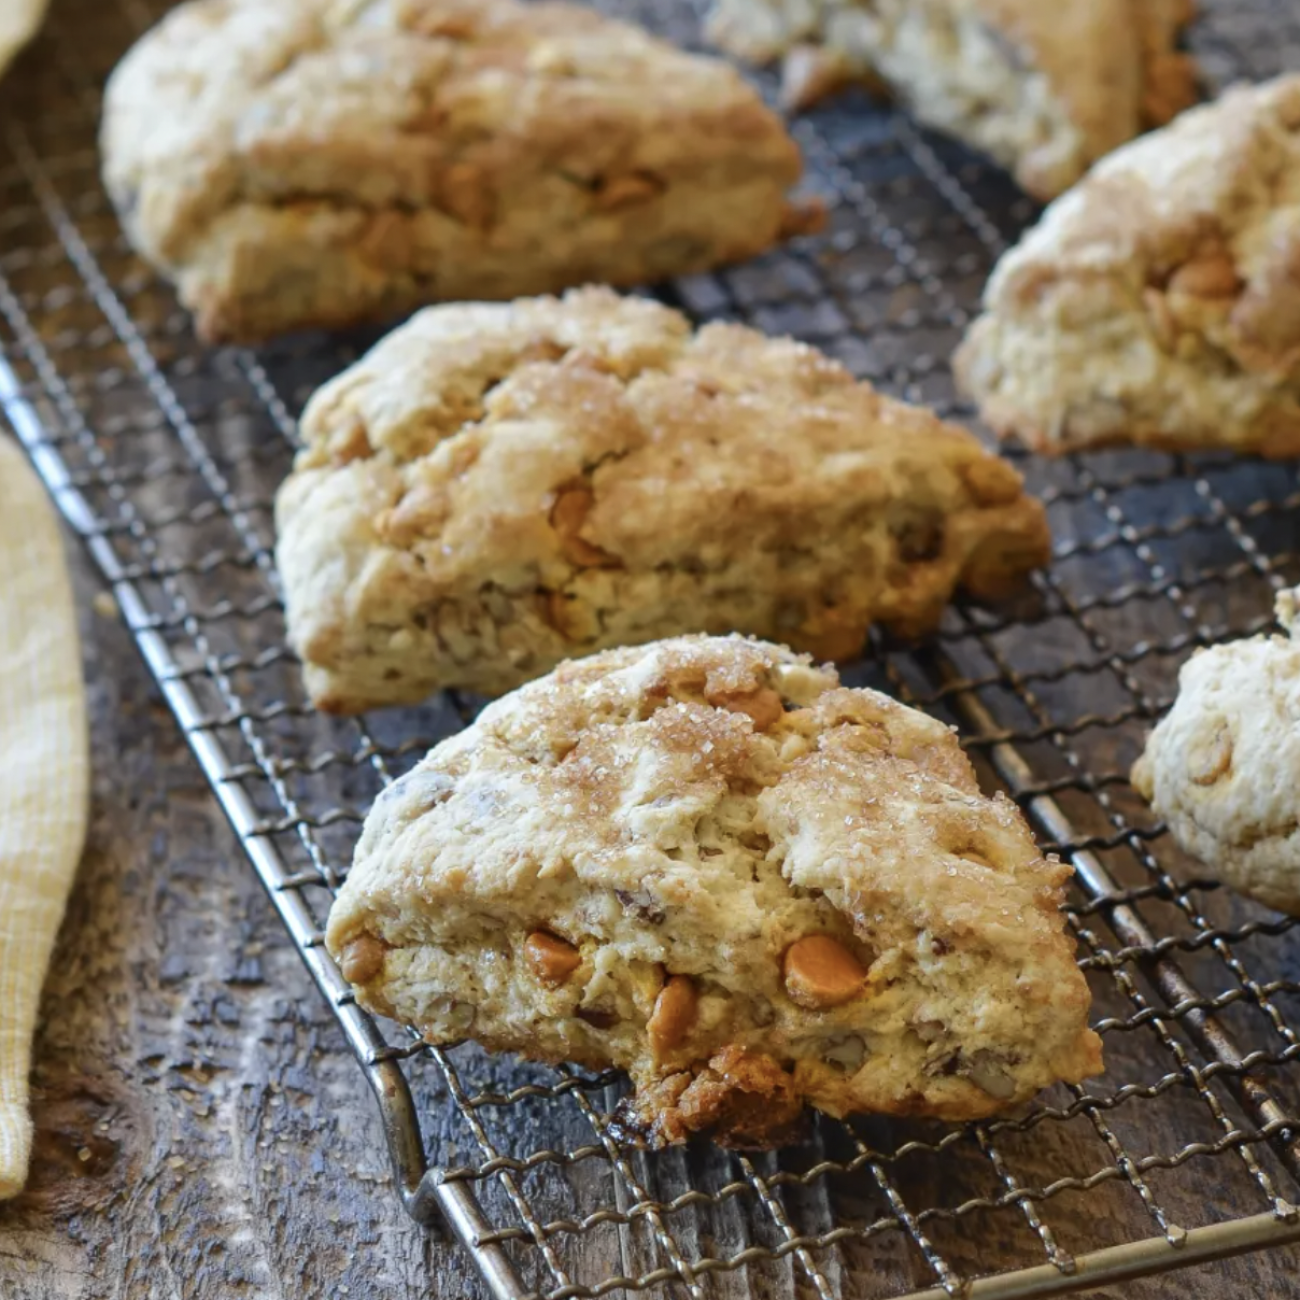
(681, 821)
(1044, 88)
(1156, 303)
(319, 162)
(493, 489)
(1223, 767)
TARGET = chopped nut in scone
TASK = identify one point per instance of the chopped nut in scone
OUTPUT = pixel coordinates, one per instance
(814, 924)
(1223, 767)
(1156, 304)
(1045, 87)
(311, 163)
(496, 488)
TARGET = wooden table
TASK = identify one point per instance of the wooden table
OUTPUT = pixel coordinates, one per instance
(202, 1131)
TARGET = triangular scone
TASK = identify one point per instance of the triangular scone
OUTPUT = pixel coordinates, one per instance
(496, 488)
(1223, 767)
(1158, 303)
(705, 862)
(305, 163)
(1044, 86)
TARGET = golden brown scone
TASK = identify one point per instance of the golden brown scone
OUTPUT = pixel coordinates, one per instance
(707, 863)
(1045, 87)
(495, 488)
(313, 163)
(1223, 767)
(1159, 302)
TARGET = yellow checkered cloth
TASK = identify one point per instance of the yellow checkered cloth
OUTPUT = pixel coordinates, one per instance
(44, 778)
(19, 20)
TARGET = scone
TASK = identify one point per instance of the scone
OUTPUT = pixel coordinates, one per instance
(705, 862)
(313, 163)
(1157, 303)
(1223, 768)
(1045, 87)
(496, 488)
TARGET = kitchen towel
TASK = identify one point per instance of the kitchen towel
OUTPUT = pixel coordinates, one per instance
(44, 779)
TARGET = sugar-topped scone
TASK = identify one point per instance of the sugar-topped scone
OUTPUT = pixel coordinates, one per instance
(312, 163)
(1156, 303)
(1045, 87)
(496, 488)
(1223, 767)
(706, 862)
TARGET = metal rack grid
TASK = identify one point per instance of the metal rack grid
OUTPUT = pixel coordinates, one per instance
(164, 457)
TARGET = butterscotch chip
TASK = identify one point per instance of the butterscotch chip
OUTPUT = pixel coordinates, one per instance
(1046, 88)
(299, 164)
(1221, 766)
(820, 972)
(362, 959)
(675, 1011)
(1212, 760)
(621, 801)
(570, 509)
(1210, 274)
(557, 476)
(568, 514)
(1156, 304)
(764, 706)
(624, 191)
(551, 959)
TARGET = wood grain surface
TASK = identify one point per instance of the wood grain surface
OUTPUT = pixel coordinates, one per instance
(203, 1132)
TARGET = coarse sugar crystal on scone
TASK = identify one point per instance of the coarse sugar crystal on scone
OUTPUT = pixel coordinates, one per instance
(706, 862)
(494, 488)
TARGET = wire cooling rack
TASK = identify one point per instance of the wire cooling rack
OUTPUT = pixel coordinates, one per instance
(164, 456)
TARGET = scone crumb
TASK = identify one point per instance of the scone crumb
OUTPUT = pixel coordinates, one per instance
(744, 1098)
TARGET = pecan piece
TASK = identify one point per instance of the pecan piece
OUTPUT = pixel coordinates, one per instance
(572, 505)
